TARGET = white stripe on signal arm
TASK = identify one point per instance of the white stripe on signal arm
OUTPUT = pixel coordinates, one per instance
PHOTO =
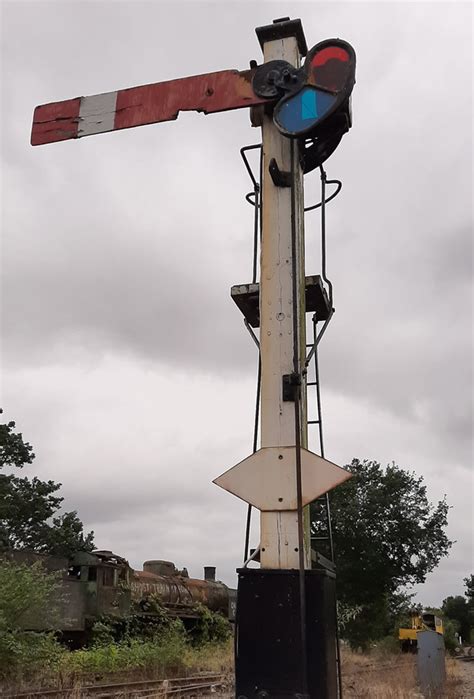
(97, 114)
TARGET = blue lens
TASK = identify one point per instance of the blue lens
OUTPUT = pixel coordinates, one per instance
(303, 110)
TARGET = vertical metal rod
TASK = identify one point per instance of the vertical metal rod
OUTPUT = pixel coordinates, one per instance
(255, 444)
(256, 237)
(323, 234)
(328, 504)
(316, 340)
(297, 370)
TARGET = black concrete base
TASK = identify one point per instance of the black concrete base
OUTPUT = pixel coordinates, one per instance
(268, 657)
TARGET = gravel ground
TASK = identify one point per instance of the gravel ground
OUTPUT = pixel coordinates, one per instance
(466, 672)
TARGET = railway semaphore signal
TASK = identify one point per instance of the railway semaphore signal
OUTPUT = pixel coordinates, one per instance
(285, 629)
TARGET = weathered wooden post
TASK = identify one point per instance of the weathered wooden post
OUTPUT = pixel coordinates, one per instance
(285, 628)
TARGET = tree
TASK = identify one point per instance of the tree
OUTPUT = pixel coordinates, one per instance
(457, 609)
(469, 585)
(13, 450)
(387, 537)
(29, 515)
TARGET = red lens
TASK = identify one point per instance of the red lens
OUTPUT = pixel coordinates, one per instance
(329, 52)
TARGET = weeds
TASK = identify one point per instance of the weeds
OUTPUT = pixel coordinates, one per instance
(381, 675)
(163, 655)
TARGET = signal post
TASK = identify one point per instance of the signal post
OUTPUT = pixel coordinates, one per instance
(285, 626)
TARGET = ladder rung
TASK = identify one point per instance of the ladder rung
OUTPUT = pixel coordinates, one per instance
(311, 383)
(319, 538)
(313, 422)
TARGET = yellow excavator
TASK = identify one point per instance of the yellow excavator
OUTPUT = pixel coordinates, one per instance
(420, 621)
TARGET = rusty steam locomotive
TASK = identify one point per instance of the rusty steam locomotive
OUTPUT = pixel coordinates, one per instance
(103, 583)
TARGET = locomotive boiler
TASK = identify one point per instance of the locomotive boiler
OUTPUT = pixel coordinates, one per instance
(179, 593)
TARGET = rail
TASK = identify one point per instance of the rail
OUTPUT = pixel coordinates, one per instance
(145, 689)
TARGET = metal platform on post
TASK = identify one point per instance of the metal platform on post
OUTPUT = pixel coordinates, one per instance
(247, 299)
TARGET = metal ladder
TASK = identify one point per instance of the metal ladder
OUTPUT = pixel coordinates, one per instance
(322, 547)
(320, 511)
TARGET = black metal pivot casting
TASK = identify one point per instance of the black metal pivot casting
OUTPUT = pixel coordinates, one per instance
(280, 178)
(290, 383)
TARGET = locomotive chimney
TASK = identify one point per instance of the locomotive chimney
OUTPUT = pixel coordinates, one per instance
(210, 573)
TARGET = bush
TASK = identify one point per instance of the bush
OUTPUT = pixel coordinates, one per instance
(29, 596)
(451, 642)
(26, 602)
(210, 627)
(24, 653)
(149, 620)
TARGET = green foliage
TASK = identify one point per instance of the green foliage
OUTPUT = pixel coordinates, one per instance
(27, 593)
(451, 642)
(148, 620)
(151, 621)
(27, 600)
(13, 450)
(387, 536)
(103, 632)
(469, 585)
(371, 623)
(165, 655)
(25, 653)
(457, 609)
(345, 614)
(28, 507)
(151, 639)
(210, 627)
(65, 535)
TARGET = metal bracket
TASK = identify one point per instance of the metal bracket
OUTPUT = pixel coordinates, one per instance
(280, 178)
(290, 386)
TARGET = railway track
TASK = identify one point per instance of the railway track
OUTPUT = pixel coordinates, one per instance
(197, 685)
(468, 654)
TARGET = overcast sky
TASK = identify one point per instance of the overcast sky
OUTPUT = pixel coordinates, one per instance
(125, 362)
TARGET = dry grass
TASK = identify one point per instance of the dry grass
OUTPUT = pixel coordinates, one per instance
(378, 676)
(213, 658)
(382, 676)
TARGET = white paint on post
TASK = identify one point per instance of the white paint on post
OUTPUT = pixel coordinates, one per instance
(279, 530)
(97, 114)
(278, 542)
